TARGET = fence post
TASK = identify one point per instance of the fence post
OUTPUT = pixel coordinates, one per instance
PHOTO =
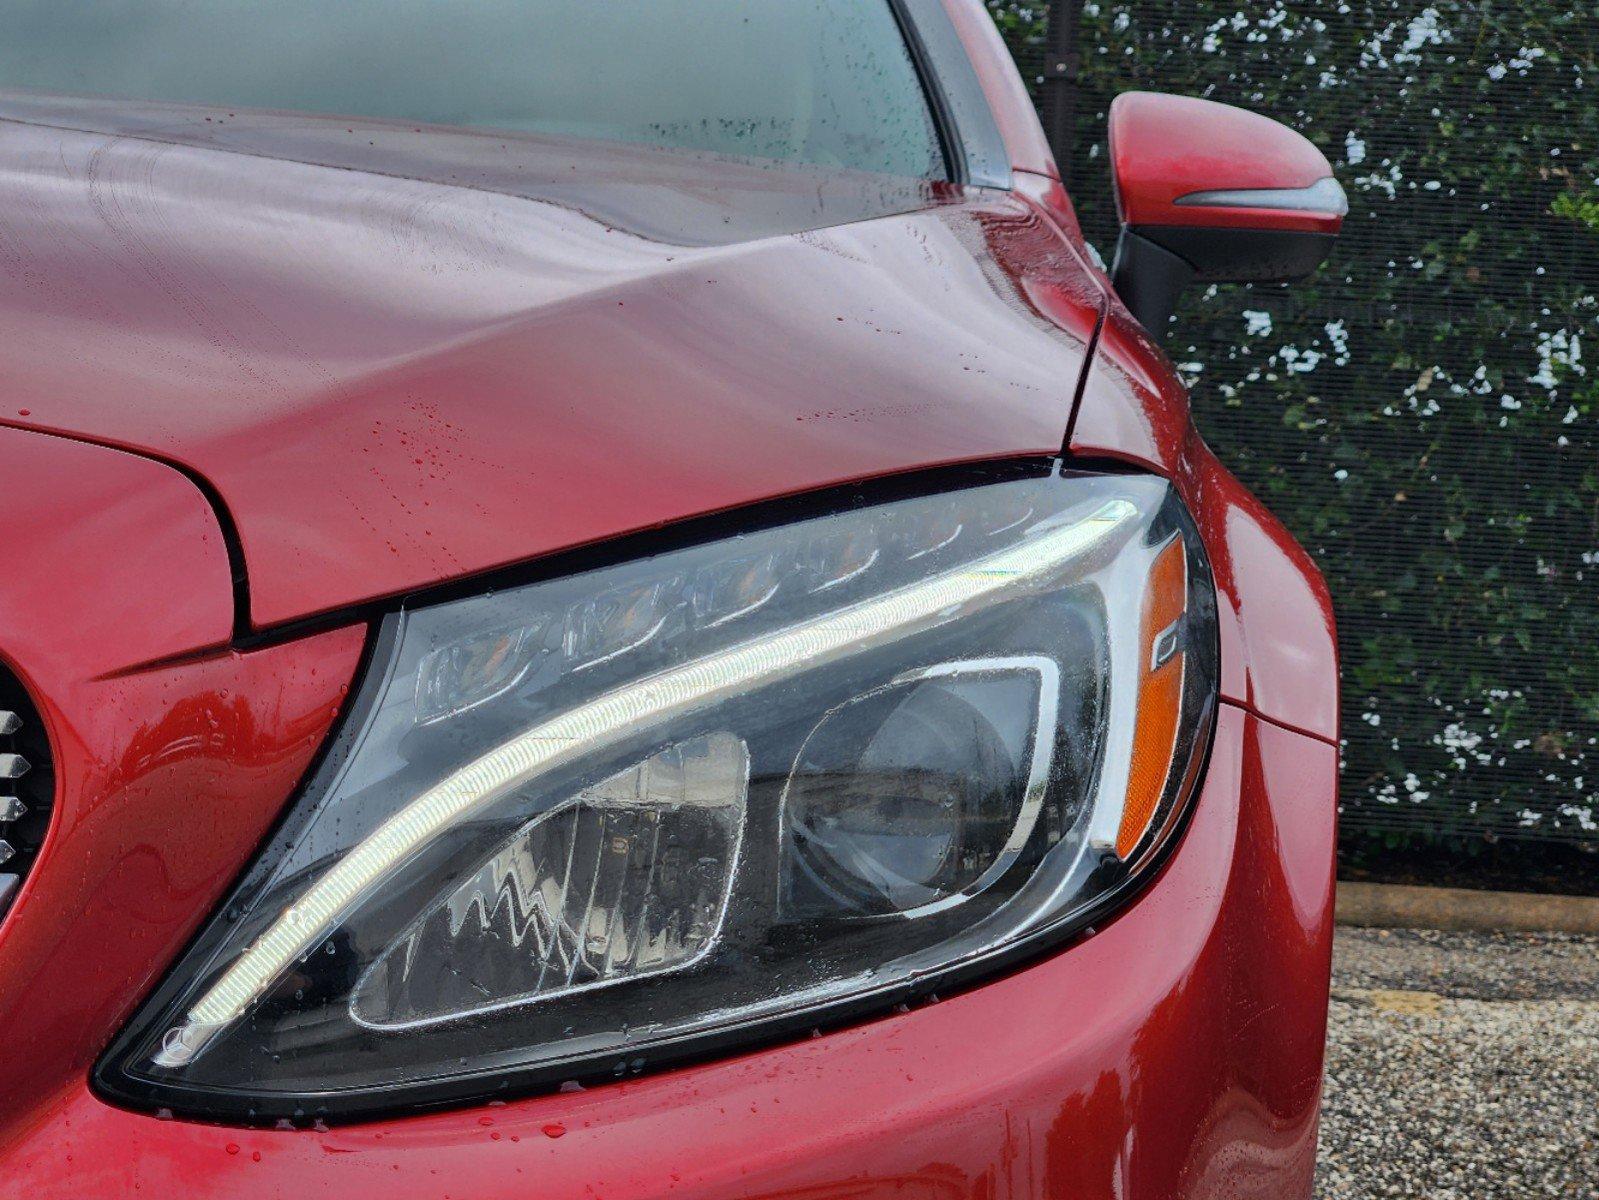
(1059, 84)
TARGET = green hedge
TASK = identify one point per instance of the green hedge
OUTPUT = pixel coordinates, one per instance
(1425, 414)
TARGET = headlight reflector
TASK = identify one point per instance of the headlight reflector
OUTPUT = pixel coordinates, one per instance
(614, 816)
(629, 878)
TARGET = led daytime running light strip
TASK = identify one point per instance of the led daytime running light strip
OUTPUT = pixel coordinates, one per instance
(810, 644)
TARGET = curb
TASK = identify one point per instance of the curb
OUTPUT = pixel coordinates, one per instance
(1392, 906)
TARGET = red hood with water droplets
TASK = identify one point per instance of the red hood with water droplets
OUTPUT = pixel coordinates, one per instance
(401, 357)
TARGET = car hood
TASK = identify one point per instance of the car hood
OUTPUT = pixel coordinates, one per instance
(397, 356)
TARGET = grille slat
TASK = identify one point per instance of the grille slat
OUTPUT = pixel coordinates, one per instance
(26, 768)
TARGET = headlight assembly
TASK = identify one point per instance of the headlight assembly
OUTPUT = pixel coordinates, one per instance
(736, 789)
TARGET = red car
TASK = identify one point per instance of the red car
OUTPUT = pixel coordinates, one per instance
(606, 602)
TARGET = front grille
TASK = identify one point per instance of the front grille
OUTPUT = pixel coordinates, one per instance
(27, 786)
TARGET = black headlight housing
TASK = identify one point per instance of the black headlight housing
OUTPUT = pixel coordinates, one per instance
(707, 796)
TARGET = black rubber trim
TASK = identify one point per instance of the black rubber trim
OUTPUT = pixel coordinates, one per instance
(1148, 278)
(976, 152)
(1154, 263)
(113, 1085)
(1242, 255)
(690, 531)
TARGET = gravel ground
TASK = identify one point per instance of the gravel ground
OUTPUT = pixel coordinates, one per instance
(1462, 1066)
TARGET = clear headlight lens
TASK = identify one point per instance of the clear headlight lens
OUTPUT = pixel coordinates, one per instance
(609, 819)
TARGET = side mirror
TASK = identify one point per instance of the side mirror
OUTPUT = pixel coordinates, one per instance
(1208, 193)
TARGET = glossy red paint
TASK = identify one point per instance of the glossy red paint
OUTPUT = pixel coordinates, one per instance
(1165, 147)
(167, 775)
(1176, 1052)
(423, 399)
(1048, 194)
(1278, 636)
(76, 507)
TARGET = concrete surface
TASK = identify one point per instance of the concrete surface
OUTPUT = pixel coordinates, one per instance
(1462, 1066)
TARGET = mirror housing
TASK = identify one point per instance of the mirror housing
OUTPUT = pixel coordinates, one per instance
(1208, 193)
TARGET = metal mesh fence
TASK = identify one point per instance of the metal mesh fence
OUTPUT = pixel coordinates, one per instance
(1422, 414)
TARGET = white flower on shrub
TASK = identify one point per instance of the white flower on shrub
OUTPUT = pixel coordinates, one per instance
(1423, 30)
(1257, 323)
(1582, 815)
(1559, 352)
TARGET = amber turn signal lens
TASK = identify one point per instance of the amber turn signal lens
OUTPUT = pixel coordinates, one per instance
(1160, 693)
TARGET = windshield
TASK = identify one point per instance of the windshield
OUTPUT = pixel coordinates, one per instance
(828, 82)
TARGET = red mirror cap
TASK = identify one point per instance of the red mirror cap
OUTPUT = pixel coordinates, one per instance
(1182, 161)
